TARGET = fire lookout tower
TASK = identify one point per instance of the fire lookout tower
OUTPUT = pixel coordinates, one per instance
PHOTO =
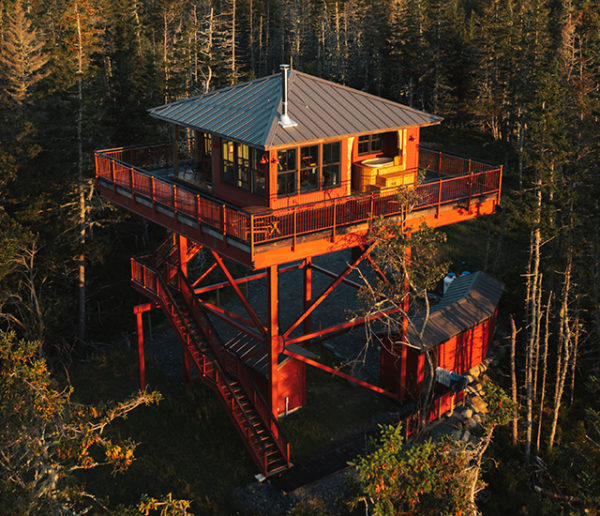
(269, 174)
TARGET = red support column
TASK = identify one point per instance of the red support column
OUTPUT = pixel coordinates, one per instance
(307, 291)
(273, 339)
(182, 246)
(140, 343)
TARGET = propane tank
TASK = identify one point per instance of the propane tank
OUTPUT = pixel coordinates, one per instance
(447, 280)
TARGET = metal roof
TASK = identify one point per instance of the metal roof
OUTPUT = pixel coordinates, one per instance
(469, 300)
(249, 112)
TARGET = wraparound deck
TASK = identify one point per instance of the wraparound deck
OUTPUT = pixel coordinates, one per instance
(137, 178)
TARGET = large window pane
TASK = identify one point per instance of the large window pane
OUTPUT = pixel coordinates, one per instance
(257, 171)
(287, 172)
(309, 168)
(228, 162)
(243, 166)
(331, 165)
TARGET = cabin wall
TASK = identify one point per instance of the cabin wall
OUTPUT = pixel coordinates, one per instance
(411, 149)
(458, 354)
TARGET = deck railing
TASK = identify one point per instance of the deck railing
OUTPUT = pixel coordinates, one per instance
(459, 180)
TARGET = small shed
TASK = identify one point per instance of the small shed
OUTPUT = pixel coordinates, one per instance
(459, 329)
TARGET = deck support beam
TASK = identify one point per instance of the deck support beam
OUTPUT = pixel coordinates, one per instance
(335, 372)
(259, 325)
(139, 327)
(274, 339)
(328, 290)
(308, 265)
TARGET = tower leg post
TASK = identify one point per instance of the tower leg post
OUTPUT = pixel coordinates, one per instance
(140, 345)
(307, 291)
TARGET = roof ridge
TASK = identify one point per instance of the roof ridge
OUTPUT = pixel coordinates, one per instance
(270, 135)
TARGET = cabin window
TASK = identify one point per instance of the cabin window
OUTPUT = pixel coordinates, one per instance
(309, 168)
(206, 145)
(228, 162)
(331, 165)
(287, 172)
(370, 144)
(242, 168)
(257, 172)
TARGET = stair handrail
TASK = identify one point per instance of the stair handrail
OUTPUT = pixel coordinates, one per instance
(220, 353)
(165, 291)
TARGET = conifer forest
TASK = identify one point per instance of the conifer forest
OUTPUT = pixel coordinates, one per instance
(517, 83)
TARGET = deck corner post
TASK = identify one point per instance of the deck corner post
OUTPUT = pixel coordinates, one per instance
(152, 192)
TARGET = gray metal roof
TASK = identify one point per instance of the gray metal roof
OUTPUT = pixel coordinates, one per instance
(469, 300)
(249, 112)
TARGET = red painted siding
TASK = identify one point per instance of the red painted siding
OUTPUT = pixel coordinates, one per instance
(459, 354)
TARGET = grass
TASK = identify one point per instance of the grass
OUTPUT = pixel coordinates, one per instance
(188, 446)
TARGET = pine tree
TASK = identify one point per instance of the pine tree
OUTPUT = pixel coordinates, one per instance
(22, 58)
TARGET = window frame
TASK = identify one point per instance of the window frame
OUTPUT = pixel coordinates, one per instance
(245, 170)
(320, 167)
(370, 140)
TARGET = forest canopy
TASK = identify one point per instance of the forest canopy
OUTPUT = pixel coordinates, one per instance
(517, 81)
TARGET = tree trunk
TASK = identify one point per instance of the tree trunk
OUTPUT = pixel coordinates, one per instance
(564, 351)
(513, 377)
(533, 283)
(81, 187)
(233, 43)
(574, 361)
(544, 370)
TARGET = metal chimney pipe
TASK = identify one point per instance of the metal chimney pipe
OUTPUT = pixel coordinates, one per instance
(284, 73)
(285, 120)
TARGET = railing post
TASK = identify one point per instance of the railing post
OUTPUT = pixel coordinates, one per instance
(437, 214)
(252, 236)
(295, 227)
(470, 191)
(152, 192)
(223, 220)
(334, 216)
(440, 164)
(371, 211)
(469, 165)
(500, 184)
(112, 174)
(131, 186)
(174, 190)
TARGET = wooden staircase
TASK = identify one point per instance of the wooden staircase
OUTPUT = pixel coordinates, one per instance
(219, 369)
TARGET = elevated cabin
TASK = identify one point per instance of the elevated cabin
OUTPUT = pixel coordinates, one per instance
(271, 173)
(458, 331)
(335, 141)
(290, 166)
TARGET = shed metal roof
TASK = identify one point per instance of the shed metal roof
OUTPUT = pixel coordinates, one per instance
(469, 300)
(249, 112)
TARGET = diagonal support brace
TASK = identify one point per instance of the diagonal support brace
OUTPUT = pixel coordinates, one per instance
(328, 291)
(259, 325)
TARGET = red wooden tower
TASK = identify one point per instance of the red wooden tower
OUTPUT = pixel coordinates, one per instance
(269, 174)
